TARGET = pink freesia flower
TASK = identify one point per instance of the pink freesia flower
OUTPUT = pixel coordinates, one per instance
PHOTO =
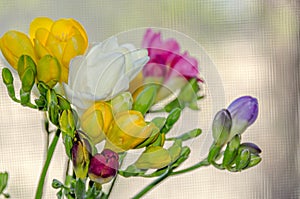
(167, 65)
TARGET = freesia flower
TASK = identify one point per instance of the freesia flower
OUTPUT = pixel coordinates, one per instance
(167, 66)
(244, 112)
(95, 121)
(128, 130)
(63, 39)
(104, 166)
(103, 72)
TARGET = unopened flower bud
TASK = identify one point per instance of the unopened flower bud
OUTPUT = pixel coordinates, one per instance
(7, 76)
(231, 151)
(221, 127)
(67, 123)
(145, 99)
(48, 70)
(128, 130)
(80, 157)
(104, 166)
(154, 157)
(244, 112)
(96, 120)
(122, 102)
(13, 44)
(243, 159)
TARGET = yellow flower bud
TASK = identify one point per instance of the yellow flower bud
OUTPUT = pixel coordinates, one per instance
(63, 39)
(128, 130)
(95, 121)
(13, 44)
(48, 70)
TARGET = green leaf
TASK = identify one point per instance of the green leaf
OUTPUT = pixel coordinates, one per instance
(80, 189)
(3, 181)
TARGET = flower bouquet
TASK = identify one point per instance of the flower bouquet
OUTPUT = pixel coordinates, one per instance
(106, 100)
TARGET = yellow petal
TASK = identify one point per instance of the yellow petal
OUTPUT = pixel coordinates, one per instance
(81, 30)
(40, 50)
(42, 35)
(14, 44)
(75, 46)
(38, 23)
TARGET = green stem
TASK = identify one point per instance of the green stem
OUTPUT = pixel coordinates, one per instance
(39, 191)
(153, 184)
(196, 166)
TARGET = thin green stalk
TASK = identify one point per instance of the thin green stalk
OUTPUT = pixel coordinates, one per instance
(39, 191)
(196, 166)
(153, 184)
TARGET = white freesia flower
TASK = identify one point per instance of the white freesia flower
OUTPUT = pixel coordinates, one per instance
(103, 72)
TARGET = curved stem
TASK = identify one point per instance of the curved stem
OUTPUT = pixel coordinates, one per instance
(39, 191)
(196, 166)
(153, 184)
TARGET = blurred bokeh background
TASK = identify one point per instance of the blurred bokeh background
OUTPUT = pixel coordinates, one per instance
(254, 45)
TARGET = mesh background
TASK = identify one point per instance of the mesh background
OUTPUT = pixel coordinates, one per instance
(255, 48)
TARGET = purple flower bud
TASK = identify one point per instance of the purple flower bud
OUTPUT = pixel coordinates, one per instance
(243, 111)
(104, 166)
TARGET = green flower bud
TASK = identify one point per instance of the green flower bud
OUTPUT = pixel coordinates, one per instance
(154, 157)
(254, 160)
(243, 159)
(231, 151)
(7, 76)
(51, 97)
(213, 153)
(171, 119)
(25, 62)
(145, 99)
(66, 122)
(63, 103)
(28, 80)
(43, 88)
(53, 113)
(221, 127)
(48, 70)
(122, 102)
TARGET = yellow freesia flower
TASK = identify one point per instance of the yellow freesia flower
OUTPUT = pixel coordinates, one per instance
(95, 121)
(128, 130)
(63, 39)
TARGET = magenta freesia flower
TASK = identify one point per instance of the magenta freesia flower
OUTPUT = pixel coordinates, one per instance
(167, 65)
(104, 166)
